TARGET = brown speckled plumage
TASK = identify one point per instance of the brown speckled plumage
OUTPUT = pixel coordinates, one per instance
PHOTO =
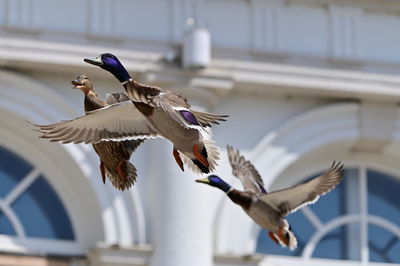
(111, 153)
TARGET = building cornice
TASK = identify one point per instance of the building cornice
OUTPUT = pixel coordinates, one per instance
(223, 76)
(389, 6)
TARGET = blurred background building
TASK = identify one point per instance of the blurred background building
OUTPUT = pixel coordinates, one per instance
(305, 82)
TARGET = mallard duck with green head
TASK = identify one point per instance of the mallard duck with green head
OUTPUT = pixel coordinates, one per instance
(170, 115)
(114, 155)
(269, 209)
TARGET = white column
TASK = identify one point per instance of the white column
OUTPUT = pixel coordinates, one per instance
(364, 254)
(352, 196)
(182, 212)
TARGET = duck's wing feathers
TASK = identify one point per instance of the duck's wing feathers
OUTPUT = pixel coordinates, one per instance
(246, 172)
(291, 199)
(177, 108)
(206, 119)
(116, 122)
(141, 93)
(116, 97)
(173, 103)
(131, 145)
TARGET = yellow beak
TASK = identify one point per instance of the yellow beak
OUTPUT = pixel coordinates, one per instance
(203, 180)
(97, 61)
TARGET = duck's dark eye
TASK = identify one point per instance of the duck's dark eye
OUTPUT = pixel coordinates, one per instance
(287, 235)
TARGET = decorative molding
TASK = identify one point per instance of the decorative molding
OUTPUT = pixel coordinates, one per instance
(266, 15)
(263, 77)
(345, 30)
(377, 126)
(315, 128)
(102, 18)
(181, 10)
(386, 6)
(230, 260)
(18, 260)
(19, 15)
(141, 255)
(176, 20)
(105, 255)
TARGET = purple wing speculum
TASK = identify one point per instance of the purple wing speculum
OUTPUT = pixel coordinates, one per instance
(189, 117)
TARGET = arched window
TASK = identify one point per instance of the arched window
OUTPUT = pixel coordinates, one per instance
(29, 206)
(359, 220)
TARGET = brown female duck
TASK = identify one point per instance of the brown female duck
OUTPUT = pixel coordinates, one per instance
(114, 156)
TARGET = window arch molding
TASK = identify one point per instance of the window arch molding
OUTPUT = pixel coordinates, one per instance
(294, 151)
(96, 211)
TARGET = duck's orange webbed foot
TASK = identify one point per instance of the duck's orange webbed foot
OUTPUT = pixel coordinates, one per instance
(121, 172)
(281, 235)
(103, 172)
(200, 156)
(272, 236)
(178, 159)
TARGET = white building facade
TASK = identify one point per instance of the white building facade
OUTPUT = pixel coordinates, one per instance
(305, 82)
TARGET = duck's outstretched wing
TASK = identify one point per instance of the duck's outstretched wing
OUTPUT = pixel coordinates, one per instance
(291, 199)
(206, 119)
(246, 172)
(118, 97)
(172, 103)
(121, 121)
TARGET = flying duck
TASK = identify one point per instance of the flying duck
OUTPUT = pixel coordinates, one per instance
(152, 112)
(170, 115)
(269, 209)
(114, 155)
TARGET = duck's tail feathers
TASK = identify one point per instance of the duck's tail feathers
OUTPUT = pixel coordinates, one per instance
(210, 152)
(290, 240)
(130, 171)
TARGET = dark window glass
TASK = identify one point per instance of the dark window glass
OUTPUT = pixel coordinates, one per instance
(331, 245)
(5, 226)
(42, 213)
(383, 245)
(383, 200)
(12, 170)
(384, 196)
(39, 209)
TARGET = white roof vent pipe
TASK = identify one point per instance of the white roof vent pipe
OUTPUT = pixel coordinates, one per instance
(196, 46)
